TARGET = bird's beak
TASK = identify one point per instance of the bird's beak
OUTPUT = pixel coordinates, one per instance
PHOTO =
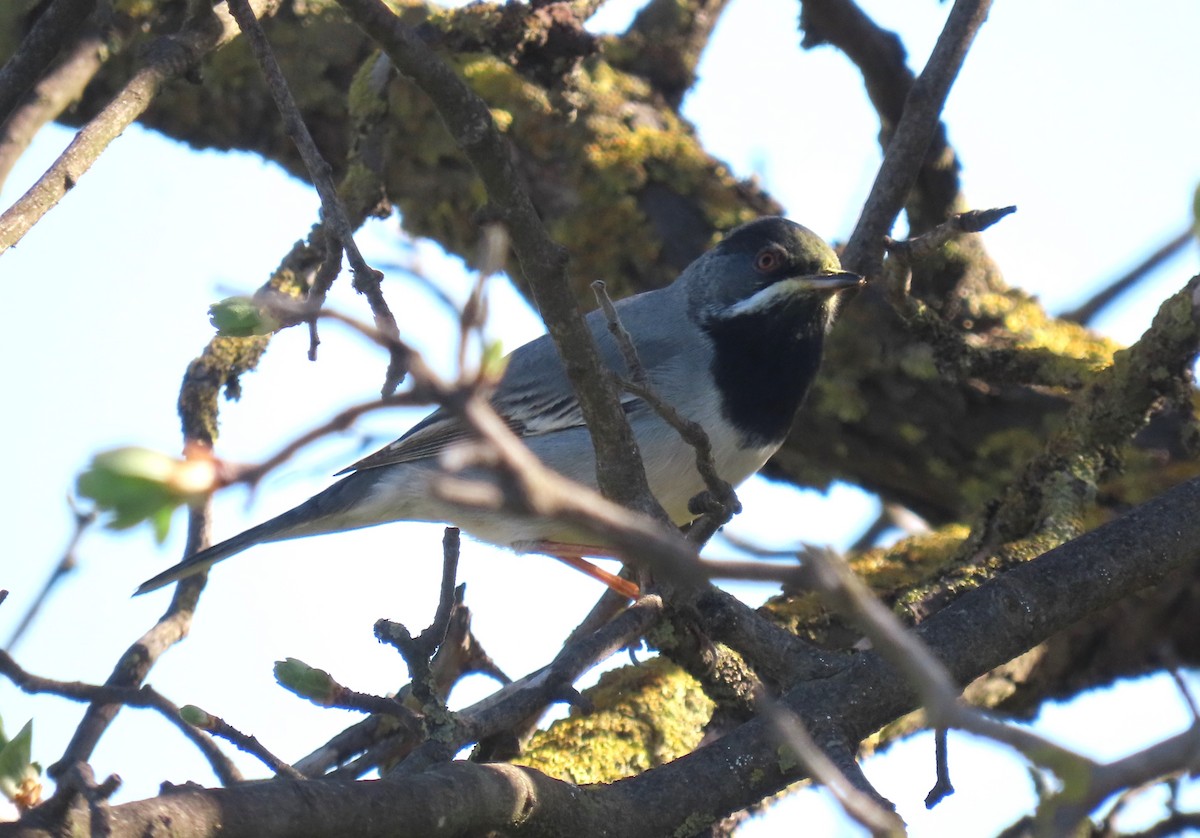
(830, 282)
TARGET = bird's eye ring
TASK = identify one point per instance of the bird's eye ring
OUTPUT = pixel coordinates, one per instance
(767, 260)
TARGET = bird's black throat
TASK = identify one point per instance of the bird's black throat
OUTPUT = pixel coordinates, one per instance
(763, 364)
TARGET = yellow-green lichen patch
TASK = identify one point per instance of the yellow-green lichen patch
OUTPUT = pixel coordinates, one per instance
(911, 562)
(1029, 327)
(501, 86)
(644, 716)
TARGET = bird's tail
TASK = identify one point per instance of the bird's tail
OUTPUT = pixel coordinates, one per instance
(331, 510)
(203, 560)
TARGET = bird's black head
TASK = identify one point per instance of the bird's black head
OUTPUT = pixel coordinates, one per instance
(765, 297)
(768, 264)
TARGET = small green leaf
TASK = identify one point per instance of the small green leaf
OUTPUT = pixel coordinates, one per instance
(16, 764)
(131, 484)
(137, 484)
(493, 362)
(196, 717)
(161, 522)
(316, 685)
(241, 317)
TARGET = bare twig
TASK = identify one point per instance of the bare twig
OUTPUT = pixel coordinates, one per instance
(722, 503)
(908, 145)
(450, 594)
(866, 806)
(251, 475)
(1087, 312)
(928, 243)
(109, 694)
(517, 701)
(54, 28)
(61, 86)
(366, 278)
(891, 516)
(903, 253)
(942, 787)
(418, 651)
(219, 727)
(493, 250)
(377, 740)
(331, 266)
(141, 656)
(165, 59)
(65, 565)
(353, 740)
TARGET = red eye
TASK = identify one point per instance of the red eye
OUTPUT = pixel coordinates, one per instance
(768, 260)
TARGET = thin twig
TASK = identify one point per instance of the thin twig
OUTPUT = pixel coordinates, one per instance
(166, 58)
(245, 742)
(133, 667)
(251, 475)
(493, 250)
(65, 565)
(54, 28)
(1087, 312)
(942, 787)
(431, 639)
(866, 806)
(516, 702)
(720, 491)
(908, 145)
(379, 743)
(109, 694)
(891, 516)
(902, 253)
(418, 651)
(366, 278)
(61, 86)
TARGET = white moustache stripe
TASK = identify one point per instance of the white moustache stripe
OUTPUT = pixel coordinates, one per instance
(769, 296)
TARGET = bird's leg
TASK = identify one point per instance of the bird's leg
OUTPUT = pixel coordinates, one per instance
(572, 555)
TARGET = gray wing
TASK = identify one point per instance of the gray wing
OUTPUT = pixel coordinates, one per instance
(534, 396)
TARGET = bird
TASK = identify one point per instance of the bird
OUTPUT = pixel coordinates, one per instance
(733, 344)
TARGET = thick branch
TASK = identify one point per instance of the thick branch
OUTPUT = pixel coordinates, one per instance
(666, 40)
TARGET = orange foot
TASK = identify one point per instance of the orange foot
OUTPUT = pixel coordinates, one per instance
(572, 555)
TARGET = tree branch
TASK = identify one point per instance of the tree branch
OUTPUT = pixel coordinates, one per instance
(1087, 312)
(54, 28)
(166, 59)
(908, 146)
